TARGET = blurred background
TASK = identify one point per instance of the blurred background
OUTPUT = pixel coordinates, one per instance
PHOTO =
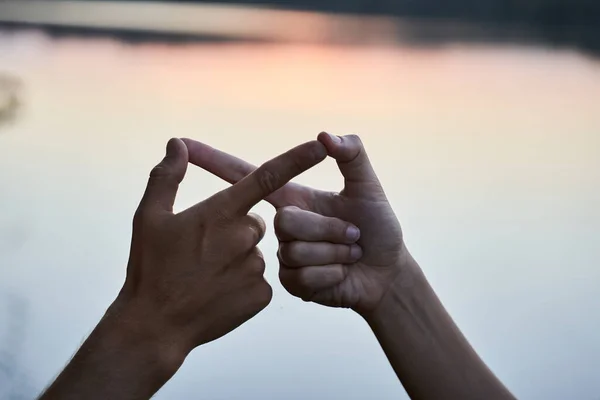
(482, 119)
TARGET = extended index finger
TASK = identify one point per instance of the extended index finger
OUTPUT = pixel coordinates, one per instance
(273, 175)
(225, 166)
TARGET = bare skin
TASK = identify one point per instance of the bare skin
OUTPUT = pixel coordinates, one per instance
(324, 261)
(192, 277)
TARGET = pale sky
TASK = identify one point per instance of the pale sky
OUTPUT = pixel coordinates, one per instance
(490, 157)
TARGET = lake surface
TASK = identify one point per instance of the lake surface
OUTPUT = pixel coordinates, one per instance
(490, 156)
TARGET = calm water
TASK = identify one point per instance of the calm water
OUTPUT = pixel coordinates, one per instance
(491, 157)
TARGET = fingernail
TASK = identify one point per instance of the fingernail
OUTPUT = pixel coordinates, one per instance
(334, 138)
(352, 233)
(355, 252)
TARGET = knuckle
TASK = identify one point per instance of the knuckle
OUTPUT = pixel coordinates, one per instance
(256, 221)
(303, 278)
(333, 275)
(354, 148)
(267, 180)
(294, 283)
(306, 291)
(279, 221)
(263, 295)
(258, 265)
(280, 253)
(288, 281)
(344, 252)
(256, 233)
(221, 214)
(288, 253)
(248, 238)
(284, 278)
(297, 165)
(160, 171)
(333, 228)
(145, 221)
(284, 218)
(239, 239)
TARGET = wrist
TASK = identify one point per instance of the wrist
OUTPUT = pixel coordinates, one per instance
(123, 358)
(407, 286)
(129, 325)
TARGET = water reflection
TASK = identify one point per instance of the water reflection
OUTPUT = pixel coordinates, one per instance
(14, 383)
(490, 156)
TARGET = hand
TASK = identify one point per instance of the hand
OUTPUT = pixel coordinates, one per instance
(319, 262)
(195, 276)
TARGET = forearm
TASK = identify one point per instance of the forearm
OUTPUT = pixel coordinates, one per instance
(430, 355)
(123, 358)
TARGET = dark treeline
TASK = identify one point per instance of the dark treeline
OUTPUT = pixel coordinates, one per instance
(572, 23)
(546, 12)
(561, 23)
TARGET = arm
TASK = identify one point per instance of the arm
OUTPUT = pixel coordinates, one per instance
(346, 249)
(122, 358)
(179, 292)
(430, 355)
(377, 277)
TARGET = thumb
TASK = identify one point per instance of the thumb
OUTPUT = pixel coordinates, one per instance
(354, 164)
(165, 177)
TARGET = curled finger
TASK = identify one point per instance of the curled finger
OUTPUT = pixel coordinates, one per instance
(242, 236)
(254, 263)
(306, 282)
(300, 254)
(292, 223)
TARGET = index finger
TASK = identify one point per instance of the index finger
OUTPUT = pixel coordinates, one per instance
(273, 175)
(229, 168)
(223, 165)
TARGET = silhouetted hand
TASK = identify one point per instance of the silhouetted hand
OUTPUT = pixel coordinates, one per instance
(322, 258)
(197, 275)
(192, 277)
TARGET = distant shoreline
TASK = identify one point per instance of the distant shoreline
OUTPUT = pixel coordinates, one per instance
(126, 35)
(197, 23)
